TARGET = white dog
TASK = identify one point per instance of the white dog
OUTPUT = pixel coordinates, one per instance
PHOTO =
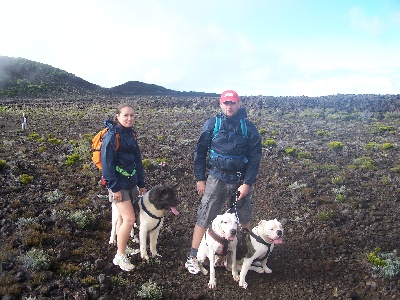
(150, 211)
(218, 240)
(263, 238)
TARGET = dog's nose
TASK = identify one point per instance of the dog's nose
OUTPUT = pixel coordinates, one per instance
(279, 232)
(233, 231)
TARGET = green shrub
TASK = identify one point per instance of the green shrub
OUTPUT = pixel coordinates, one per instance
(262, 131)
(162, 160)
(150, 290)
(291, 152)
(340, 198)
(82, 218)
(326, 215)
(3, 164)
(54, 141)
(69, 268)
(89, 280)
(295, 186)
(364, 162)
(395, 169)
(53, 196)
(73, 159)
(269, 143)
(118, 280)
(385, 264)
(336, 146)
(371, 146)
(33, 136)
(146, 163)
(36, 259)
(25, 178)
(379, 128)
(387, 146)
(338, 180)
(304, 155)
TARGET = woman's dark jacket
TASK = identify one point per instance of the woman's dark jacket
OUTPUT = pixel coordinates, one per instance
(233, 157)
(127, 157)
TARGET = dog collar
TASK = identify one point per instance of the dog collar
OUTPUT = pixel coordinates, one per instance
(219, 239)
(150, 214)
(260, 240)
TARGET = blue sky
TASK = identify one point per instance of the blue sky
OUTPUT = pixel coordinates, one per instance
(256, 47)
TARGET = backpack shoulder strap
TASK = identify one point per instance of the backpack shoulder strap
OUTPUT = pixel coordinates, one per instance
(217, 126)
(243, 126)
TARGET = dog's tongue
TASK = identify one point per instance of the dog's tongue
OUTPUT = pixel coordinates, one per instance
(174, 211)
(278, 241)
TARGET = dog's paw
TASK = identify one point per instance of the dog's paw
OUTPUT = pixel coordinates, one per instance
(212, 284)
(243, 284)
(267, 270)
(235, 276)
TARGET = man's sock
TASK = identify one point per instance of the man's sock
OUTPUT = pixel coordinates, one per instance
(193, 252)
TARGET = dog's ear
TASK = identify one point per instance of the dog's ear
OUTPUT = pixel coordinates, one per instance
(262, 222)
(216, 224)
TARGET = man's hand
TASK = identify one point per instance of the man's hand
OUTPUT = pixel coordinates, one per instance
(201, 187)
(244, 190)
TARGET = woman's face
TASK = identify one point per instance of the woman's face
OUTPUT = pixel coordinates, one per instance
(126, 117)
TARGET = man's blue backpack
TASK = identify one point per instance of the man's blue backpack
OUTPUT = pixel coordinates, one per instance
(217, 126)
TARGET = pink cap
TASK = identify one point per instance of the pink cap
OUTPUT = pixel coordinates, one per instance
(229, 95)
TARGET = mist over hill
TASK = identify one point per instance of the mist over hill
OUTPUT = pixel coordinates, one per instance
(25, 79)
(21, 77)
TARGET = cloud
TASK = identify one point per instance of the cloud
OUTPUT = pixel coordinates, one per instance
(359, 20)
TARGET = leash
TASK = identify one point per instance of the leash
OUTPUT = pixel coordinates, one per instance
(236, 194)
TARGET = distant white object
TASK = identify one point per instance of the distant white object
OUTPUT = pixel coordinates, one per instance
(24, 123)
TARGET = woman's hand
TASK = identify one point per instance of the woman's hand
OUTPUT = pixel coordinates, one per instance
(117, 196)
(142, 191)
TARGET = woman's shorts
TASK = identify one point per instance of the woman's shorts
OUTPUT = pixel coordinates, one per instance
(126, 195)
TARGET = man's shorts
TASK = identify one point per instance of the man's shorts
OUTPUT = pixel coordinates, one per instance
(126, 195)
(215, 195)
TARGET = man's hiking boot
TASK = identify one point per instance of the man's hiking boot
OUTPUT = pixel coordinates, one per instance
(192, 265)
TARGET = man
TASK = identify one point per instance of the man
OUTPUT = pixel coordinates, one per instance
(233, 145)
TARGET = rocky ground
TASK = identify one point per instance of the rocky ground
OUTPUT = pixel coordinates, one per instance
(338, 205)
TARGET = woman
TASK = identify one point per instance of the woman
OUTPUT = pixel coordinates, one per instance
(123, 173)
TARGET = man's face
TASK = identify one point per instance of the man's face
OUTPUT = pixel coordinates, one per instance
(230, 108)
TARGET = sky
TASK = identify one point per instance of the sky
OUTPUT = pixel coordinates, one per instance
(255, 47)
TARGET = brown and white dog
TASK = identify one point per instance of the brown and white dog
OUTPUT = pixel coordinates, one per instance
(150, 211)
(218, 240)
(262, 238)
